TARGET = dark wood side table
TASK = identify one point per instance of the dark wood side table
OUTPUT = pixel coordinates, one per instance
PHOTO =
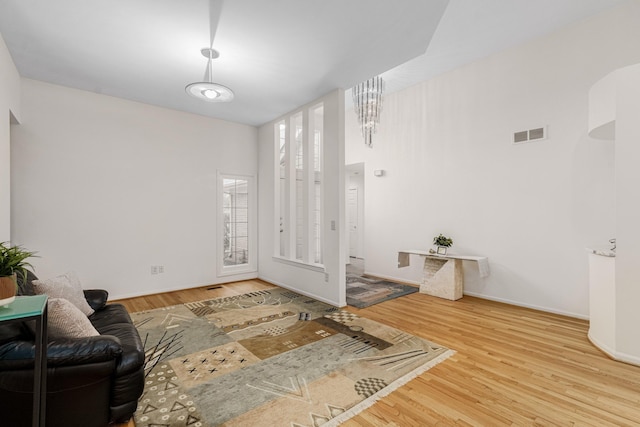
(33, 308)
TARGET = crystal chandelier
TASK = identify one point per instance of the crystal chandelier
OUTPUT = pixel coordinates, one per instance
(367, 103)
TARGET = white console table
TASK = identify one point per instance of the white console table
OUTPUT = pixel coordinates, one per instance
(442, 274)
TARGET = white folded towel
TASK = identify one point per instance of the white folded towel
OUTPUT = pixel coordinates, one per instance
(403, 259)
(483, 267)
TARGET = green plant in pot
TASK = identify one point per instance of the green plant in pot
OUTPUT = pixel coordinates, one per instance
(442, 242)
(13, 261)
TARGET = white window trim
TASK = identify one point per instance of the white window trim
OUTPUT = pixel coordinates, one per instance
(252, 265)
(299, 263)
(289, 213)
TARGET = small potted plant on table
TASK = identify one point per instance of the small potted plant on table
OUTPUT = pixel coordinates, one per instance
(442, 243)
(12, 262)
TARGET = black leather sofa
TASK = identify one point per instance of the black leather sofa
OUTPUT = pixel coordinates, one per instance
(91, 382)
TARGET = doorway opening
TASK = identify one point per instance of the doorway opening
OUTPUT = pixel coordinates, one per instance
(355, 218)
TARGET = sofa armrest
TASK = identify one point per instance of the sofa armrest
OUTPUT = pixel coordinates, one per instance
(79, 351)
(97, 298)
(20, 354)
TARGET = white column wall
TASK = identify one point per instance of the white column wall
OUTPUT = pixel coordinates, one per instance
(328, 285)
(451, 168)
(109, 187)
(627, 275)
(9, 105)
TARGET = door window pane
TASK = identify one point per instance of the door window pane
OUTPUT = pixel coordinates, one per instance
(235, 221)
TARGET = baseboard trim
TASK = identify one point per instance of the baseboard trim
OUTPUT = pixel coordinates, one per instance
(230, 279)
(226, 279)
(531, 306)
(491, 298)
(615, 355)
(308, 294)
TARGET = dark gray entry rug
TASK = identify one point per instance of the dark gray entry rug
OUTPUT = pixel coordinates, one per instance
(364, 291)
(270, 358)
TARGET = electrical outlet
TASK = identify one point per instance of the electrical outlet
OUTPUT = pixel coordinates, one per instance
(326, 277)
(160, 269)
(154, 269)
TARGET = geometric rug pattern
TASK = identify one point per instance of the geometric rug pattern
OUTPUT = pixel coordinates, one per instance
(270, 358)
(363, 292)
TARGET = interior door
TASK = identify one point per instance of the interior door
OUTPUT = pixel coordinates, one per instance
(352, 220)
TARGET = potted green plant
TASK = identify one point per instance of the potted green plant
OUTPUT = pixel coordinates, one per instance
(442, 242)
(13, 261)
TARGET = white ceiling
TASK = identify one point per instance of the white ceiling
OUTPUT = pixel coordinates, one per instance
(275, 54)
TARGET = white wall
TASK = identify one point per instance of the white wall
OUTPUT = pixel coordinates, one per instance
(307, 281)
(451, 168)
(614, 107)
(627, 147)
(108, 187)
(9, 105)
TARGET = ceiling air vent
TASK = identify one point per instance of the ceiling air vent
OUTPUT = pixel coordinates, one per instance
(530, 135)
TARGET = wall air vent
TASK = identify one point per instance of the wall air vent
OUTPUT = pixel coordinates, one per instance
(530, 135)
(521, 136)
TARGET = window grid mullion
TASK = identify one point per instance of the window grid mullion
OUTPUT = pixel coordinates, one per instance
(290, 248)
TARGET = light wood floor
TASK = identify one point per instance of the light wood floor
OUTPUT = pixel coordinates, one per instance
(513, 366)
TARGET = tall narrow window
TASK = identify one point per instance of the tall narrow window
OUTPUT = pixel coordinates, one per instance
(300, 188)
(236, 227)
(316, 211)
(281, 188)
(298, 192)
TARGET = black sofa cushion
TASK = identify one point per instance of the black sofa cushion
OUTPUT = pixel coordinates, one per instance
(91, 382)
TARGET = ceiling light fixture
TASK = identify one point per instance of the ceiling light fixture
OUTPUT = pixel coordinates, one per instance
(367, 102)
(210, 91)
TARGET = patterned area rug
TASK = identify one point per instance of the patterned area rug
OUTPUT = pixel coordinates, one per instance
(270, 358)
(363, 292)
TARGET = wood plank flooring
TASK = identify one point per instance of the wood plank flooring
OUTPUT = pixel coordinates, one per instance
(513, 367)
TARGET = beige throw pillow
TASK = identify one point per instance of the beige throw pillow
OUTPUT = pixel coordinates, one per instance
(66, 286)
(66, 321)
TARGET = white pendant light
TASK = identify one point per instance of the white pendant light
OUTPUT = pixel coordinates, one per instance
(209, 91)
